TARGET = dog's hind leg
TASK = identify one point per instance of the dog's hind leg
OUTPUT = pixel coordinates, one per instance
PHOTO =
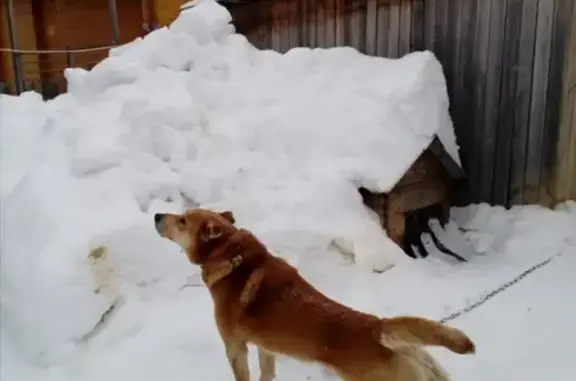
(267, 365)
(237, 353)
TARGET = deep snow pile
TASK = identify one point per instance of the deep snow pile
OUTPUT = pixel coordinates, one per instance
(194, 115)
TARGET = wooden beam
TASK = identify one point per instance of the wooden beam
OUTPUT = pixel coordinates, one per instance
(564, 182)
(149, 16)
(419, 195)
(7, 66)
(40, 30)
(26, 40)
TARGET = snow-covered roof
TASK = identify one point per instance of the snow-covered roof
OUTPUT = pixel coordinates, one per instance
(426, 66)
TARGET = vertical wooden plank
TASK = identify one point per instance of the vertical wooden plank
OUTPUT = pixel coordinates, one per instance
(491, 109)
(8, 74)
(480, 80)
(330, 23)
(340, 20)
(259, 32)
(560, 33)
(405, 27)
(452, 69)
(285, 25)
(537, 112)
(429, 24)
(40, 27)
(251, 30)
(569, 192)
(348, 17)
(303, 6)
(522, 95)
(382, 28)
(468, 42)
(25, 25)
(321, 24)
(372, 27)
(417, 24)
(448, 17)
(393, 29)
(293, 23)
(311, 10)
(269, 26)
(359, 21)
(507, 105)
(565, 170)
(260, 35)
(440, 29)
(454, 28)
(565, 187)
(276, 38)
(465, 81)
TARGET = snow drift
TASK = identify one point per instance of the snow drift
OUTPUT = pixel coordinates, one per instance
(195, 115)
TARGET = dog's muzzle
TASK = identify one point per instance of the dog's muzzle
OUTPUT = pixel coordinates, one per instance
(159, 223)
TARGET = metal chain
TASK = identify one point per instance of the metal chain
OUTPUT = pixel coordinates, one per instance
(503, 287)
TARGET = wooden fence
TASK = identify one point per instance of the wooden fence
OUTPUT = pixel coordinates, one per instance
(505, 62)
(565, 176)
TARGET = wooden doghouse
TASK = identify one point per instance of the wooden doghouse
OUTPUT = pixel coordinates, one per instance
(423, 192)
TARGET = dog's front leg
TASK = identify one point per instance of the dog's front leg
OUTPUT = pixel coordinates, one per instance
(267, 365)
(237, 353)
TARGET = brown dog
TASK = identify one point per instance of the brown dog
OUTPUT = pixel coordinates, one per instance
(261, 299)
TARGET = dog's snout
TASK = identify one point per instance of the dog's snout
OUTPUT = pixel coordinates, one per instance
(158, 218)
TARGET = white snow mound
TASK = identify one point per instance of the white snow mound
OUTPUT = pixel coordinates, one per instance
(193, 114)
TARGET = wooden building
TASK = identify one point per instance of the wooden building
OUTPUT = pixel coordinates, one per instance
(71, 24)
(423, 192)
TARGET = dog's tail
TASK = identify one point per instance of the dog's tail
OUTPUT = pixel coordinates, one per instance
(406, 331)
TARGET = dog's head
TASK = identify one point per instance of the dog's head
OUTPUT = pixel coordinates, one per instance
(197, 231)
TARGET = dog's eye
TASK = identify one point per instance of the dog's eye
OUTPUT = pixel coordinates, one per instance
(182, 221)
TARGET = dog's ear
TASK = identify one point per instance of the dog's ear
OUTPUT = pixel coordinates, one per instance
(211, 231)
(229, 216)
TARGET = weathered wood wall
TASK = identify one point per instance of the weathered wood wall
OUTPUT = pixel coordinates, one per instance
(503, 60)
(79, 24)
(58, 25)
(565, 179)
(72, 24)
(26, 38)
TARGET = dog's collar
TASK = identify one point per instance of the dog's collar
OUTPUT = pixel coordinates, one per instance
(236, 261)
(213, 273)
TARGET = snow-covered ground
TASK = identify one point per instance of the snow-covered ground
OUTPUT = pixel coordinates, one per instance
(526, 331)
(194, 115)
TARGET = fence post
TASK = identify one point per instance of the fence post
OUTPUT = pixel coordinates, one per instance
(14, 45)
(114, 19)
(564, 183)
(70, 59)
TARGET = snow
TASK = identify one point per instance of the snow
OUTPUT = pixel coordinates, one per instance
(296, 134)
(194, 115)
(527, 330)
(168, 332)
